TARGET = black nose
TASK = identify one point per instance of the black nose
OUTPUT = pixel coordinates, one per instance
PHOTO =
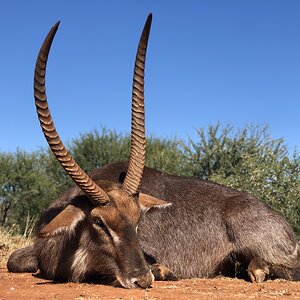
(145, 281)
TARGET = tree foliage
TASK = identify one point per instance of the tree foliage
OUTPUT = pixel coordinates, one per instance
(25, 187)
(97, 149)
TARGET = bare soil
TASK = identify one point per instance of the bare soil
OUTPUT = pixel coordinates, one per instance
(29, 286)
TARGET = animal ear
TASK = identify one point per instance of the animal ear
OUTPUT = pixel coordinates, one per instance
(147, 202)
(66, 220)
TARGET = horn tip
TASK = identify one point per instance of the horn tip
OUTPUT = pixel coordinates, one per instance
(56, 25)
(149, 18)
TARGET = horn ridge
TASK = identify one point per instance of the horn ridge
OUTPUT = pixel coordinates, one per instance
(138, 139)
(91, 189)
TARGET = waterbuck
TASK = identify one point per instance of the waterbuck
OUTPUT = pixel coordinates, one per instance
(124, 223)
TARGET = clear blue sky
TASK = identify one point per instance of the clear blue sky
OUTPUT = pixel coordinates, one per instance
(237, 62)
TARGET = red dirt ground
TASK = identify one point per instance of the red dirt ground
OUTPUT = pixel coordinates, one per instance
(27, 286)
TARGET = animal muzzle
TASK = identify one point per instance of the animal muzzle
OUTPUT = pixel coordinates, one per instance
(143, 281)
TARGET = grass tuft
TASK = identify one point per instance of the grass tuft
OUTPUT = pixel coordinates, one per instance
(9, 241)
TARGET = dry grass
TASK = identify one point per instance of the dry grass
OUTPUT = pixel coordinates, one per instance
(9, 241)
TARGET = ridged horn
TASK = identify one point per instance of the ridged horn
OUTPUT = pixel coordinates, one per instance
(138, 140)
(88, 186)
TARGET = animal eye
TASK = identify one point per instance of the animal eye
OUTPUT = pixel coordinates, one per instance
(99, 223)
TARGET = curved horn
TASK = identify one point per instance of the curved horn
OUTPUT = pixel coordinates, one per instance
(88, 186)
(138, 140)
